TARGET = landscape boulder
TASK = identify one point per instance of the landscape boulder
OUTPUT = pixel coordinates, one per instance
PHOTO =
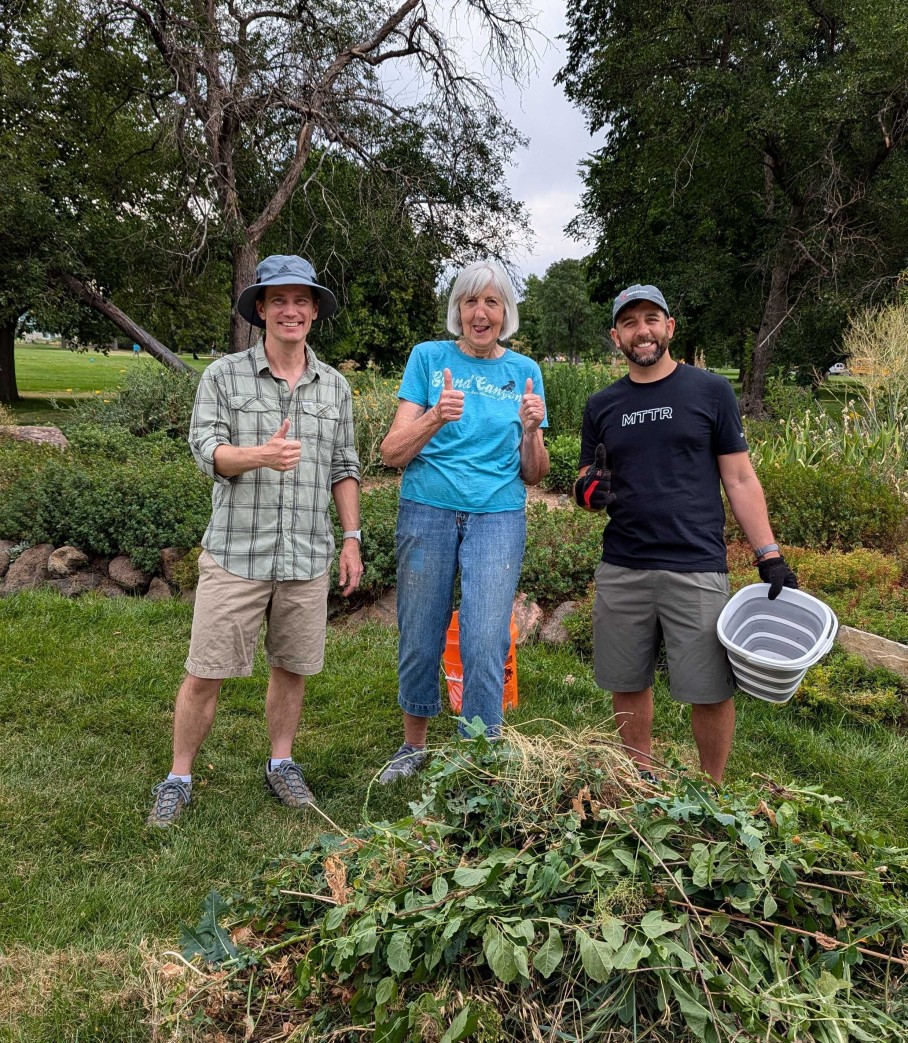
(39, 435)
(5, 547)
(159, 590)
(71, 586)
(66, 560)
(122, 571)
(527, 616)
(169, 557)
(29, 570)
(554, 632)
(383, 611)
(875, 651)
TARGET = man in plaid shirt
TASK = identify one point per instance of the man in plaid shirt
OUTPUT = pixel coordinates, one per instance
(273, 426)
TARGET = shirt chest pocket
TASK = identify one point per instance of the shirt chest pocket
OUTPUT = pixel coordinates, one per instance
(253, 419)
(315, 425)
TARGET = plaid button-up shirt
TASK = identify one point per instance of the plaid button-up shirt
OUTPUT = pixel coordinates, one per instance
(267, 524)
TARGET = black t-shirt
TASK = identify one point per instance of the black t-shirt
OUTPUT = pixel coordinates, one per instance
(661, 442)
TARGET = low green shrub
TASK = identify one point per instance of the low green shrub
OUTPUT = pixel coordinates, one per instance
(579, 625)
(831, 505)
(108, 507)
(374, 405)
(20, 465)
(564, 454)
(563, 547)
(567, 387)
(842, 685)
(152, 398)
(378, 521)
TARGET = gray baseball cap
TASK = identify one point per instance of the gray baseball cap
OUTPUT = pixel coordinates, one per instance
(635, 293)
(284, 270)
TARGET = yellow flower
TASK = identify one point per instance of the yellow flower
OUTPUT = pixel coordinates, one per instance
(69, 390)
(97, 392)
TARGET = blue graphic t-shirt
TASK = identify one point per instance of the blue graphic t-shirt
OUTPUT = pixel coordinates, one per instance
(472, 464)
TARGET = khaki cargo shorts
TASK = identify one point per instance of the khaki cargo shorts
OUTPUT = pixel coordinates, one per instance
(635, 610)
(228, 617)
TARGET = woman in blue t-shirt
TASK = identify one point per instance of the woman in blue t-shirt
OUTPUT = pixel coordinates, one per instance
(468, 436)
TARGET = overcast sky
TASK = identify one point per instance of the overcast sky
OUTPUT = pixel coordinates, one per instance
(545, 176)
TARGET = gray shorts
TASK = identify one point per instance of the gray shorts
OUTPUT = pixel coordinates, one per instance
(228, 616)
(635, 609)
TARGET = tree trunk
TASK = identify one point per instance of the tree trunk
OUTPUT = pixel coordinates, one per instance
(245, 259)
(123, 322)
(775, 312)
(8, 390)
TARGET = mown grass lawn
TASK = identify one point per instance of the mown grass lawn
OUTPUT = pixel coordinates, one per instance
(86, 696)
(51, 378)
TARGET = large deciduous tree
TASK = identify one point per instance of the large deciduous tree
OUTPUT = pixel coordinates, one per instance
(260, 90)
(754, 159)
(558, 318)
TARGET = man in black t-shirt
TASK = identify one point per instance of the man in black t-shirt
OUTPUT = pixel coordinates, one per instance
(656, 446)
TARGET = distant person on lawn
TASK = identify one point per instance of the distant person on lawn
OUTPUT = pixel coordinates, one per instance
(656, 446)
(273, 426)
(467, 433)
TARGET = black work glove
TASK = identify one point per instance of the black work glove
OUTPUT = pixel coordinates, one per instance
(594, 489)
(777, 574)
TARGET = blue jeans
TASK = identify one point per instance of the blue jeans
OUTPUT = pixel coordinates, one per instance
(432, 544)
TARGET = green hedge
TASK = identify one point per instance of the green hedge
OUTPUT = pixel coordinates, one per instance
(564, 454)
(832, 505)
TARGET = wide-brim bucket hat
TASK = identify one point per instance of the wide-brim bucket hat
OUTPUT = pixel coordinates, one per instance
(284, 270)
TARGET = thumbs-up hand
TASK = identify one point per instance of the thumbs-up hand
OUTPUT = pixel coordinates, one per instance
(593, 489)
(449, 407)
(532, 408)
(280, 452)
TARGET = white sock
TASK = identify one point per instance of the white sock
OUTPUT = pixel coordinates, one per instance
(276, 762)
(183, 778)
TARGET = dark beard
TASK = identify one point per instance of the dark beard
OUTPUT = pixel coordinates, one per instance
(650, 358)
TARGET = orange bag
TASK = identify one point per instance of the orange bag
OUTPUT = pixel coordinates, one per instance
(453, 667)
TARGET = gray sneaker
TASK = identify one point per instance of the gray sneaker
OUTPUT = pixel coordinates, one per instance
(406, 762)
(170, 797)
(286, 783)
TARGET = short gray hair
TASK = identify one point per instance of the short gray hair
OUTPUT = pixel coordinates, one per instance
(476, 277)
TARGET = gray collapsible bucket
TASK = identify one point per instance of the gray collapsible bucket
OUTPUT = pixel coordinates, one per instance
(772, 644)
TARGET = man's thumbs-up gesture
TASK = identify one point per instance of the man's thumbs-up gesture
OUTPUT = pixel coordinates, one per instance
(450, 406)
(532, 409)
(280, 452)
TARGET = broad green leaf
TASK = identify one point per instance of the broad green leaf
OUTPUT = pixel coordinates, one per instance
(522, 929)
(597, 957)
(630, 955)
(336, 917)
(669, 949)
(695, 1014)
(499, 953)
(209, 940)
(460, 1027)
(471, 876)
(439, 889)
(717, 924)
(769, 906)
(613, 931)
(451, 928)
(549, 954)
(400, 952)
(654, 924)
(385, 991)
(366, 939)
(520, 960)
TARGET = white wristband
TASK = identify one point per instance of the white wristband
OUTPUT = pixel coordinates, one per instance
(354, 534)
